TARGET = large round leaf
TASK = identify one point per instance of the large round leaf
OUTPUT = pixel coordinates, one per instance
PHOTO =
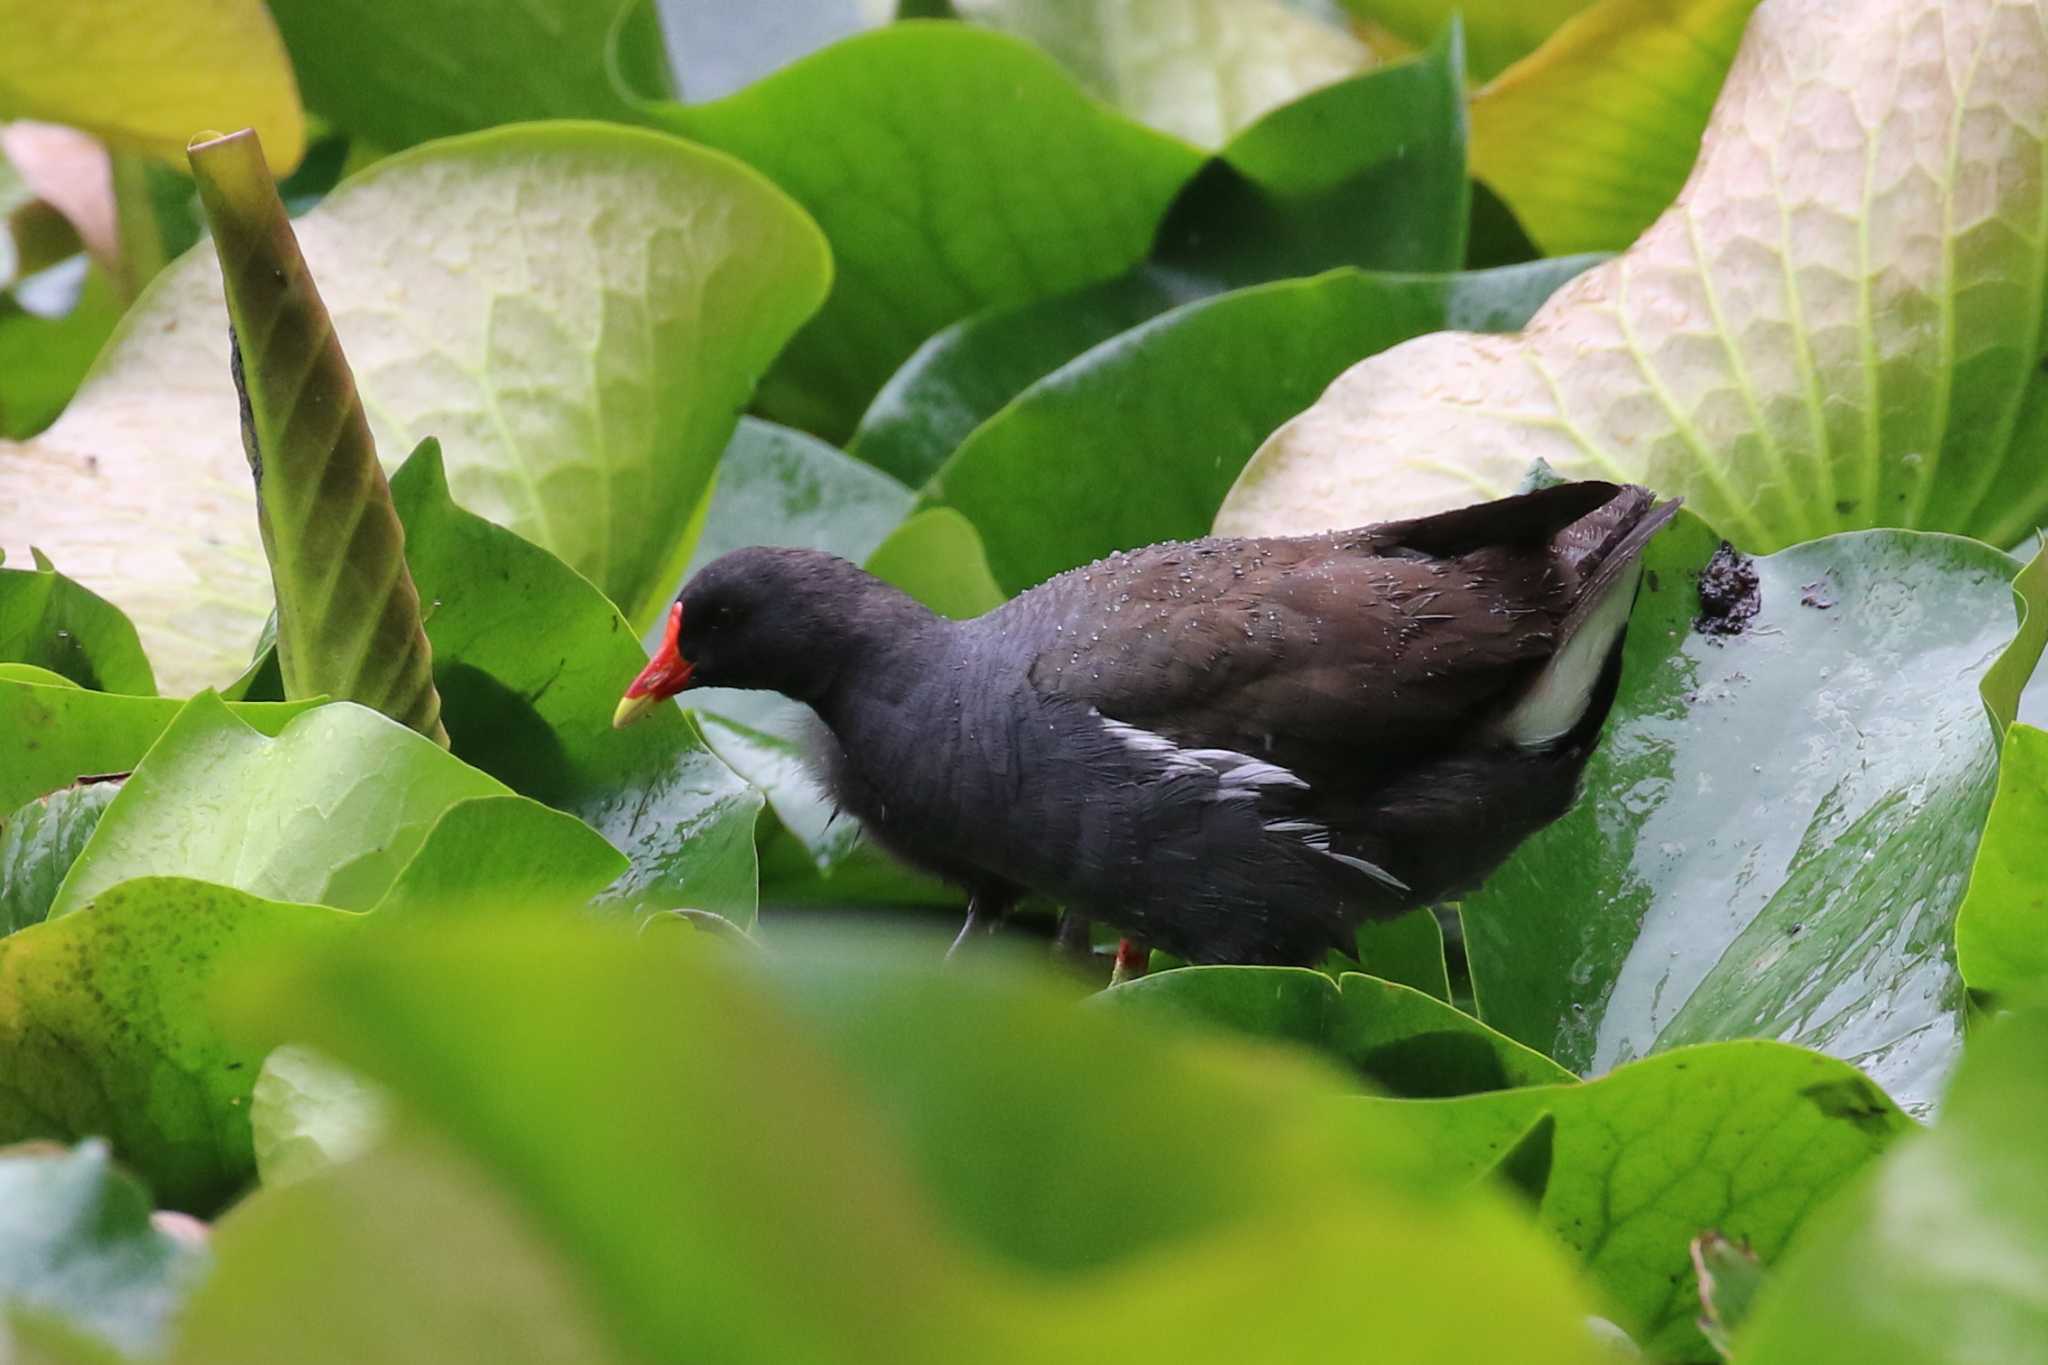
(1402, 1040)
(1369, 172)
(38, 844)
(52, 735)
(577, 311)
(1778, 824)
(48, 620)
(1840, 323)
(1497, 32)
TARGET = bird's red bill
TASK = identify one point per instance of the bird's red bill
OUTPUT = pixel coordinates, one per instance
(666, 674)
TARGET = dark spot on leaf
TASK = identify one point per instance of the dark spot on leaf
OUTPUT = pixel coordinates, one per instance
(1814, 595)
(1844, 506)
(1650, 577)
(1853, 1100)
(236, 1066)
(1729, 594)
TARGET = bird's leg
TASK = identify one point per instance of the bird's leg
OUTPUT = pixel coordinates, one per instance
(1075, 938)
(985, 911)
(1132, 958)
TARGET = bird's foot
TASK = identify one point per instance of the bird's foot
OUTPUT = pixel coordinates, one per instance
(1132, 958)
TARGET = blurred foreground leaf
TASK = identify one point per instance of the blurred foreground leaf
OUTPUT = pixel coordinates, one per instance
(662, 1136)
(406, 1256)
(107, 1029)
(1940, 1255)
(76, 1244)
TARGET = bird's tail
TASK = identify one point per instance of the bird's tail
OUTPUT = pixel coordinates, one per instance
(1604, 551)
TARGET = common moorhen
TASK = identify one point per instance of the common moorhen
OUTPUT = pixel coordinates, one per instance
(1231, 749)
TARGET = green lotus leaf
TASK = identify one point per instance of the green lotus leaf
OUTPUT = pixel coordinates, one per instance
(52, 622)
(939, 201)
(1744, 1137)
(327, 812)
(1775, 832)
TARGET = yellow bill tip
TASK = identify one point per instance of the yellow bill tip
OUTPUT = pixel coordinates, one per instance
(633, 708)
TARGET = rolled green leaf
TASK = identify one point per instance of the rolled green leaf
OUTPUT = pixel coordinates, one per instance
(348, 616)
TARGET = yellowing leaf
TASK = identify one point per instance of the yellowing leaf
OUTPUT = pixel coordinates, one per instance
(1590, 137)
(1497, 32)
(147, 74)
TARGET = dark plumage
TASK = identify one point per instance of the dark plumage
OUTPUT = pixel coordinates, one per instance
(1231, 749)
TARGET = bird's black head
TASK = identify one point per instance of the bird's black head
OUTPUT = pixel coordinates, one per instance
(781, 620)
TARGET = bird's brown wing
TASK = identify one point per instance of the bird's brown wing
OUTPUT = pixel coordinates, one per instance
(1373, 643)
(1319, 644)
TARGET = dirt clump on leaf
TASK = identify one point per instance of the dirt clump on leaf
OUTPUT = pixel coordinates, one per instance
(1729, 594)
